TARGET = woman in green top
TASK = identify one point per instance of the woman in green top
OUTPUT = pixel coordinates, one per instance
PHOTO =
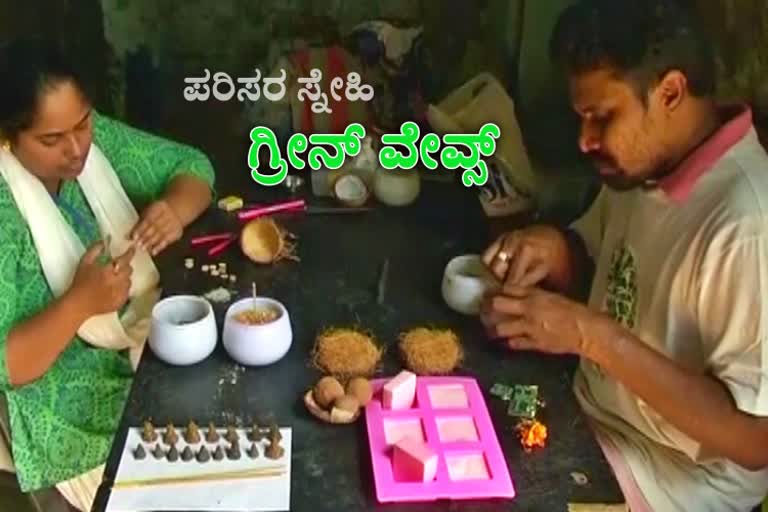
(65, 396)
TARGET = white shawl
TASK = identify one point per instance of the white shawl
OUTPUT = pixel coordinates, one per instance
(60, 250)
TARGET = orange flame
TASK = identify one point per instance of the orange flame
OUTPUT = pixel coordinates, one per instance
(532, 434)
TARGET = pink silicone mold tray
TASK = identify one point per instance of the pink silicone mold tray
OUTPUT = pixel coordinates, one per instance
(449, 413)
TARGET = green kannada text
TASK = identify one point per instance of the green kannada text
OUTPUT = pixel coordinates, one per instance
(329, 151)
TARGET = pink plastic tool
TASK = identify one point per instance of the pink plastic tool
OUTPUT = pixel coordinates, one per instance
(218, 248)
(207, 239)
(295, 205)
(450, 415)
(219, 241)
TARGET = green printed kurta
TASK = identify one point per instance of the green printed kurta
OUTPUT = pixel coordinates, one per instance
(62, 424)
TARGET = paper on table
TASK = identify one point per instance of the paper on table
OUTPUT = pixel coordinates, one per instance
(258, 494)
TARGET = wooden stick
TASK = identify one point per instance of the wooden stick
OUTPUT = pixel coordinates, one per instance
(382, 282)
(597, 507)
(205, 477)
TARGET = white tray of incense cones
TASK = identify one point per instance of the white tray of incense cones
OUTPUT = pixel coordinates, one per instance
(206, 469)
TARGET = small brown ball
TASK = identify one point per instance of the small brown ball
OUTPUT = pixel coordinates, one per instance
(347, 403)
(326, 391)
(361, 389)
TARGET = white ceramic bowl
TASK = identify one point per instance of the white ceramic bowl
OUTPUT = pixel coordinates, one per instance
(465, 281)
(183, 330)
(257, 345)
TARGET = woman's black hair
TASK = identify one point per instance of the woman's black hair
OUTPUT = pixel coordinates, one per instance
(29, 68)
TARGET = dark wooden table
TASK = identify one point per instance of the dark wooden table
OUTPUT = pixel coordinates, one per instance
(334, 285)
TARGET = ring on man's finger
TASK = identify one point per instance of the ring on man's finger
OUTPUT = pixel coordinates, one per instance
(503, 256)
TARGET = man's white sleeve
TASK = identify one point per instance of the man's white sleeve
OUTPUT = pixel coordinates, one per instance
(732, 314)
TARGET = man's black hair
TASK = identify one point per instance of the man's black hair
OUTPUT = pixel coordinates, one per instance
(640, 40)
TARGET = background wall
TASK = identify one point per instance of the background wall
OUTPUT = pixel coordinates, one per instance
(137, 53)
(156, 40)
(740, 28)
(159, 41)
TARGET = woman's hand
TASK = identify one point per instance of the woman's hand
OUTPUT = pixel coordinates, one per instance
(99, 288)
(158, 227)
(34, 344)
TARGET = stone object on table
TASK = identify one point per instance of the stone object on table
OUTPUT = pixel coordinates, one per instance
(213, 435)
(255, 435)
(274, 451)
(187, 455)
(192, 435)
(203, 455)
(173, 454)
(170, 437)
(233, 452)
(253, 451)
(139, 453)
(218, 454)
(232, 435)
(158, 452)
(274, 434)
(149, 435)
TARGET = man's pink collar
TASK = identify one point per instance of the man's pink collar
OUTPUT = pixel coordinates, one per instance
(680, 183)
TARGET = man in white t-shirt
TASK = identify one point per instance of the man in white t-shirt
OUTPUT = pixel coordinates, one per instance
(673, 342)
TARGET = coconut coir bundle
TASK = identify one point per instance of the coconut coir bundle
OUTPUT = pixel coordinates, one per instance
(346, 353)
(431, 351)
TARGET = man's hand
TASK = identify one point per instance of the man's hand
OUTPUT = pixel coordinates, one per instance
(534, 319)
(158, 227)
(529, 256)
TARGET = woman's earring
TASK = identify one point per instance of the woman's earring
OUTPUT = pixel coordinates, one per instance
(6, 145)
